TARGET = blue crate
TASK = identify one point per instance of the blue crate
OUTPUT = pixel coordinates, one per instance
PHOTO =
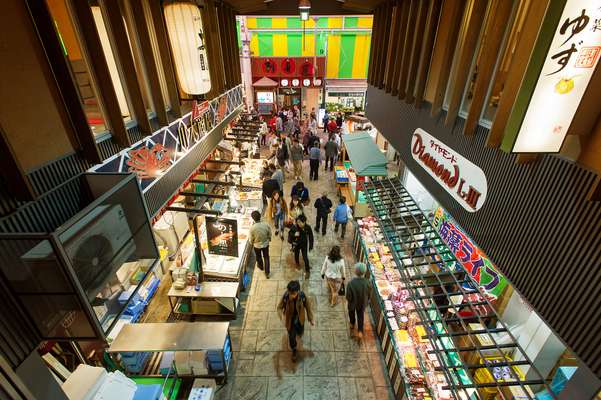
(147, 392)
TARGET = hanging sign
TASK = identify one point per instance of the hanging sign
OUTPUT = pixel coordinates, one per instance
(461, 178)
(473, 260)
(567, 70)
(222, 236)
(199, 108)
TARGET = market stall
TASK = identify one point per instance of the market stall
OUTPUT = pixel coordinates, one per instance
(361, 159)
(433, 321)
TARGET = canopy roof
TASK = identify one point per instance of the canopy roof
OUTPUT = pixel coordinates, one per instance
(365, 155)
(265, 82)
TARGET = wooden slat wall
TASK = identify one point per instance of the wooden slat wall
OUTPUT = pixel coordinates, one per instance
(426, 51)
(400, 42)
(407, 43)
(391, 46)
(500, 11)
(466, 48)
(416, 47)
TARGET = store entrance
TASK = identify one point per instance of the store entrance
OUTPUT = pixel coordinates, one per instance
(290, 97)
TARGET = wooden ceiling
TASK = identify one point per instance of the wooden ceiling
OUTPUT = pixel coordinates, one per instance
(290, 7)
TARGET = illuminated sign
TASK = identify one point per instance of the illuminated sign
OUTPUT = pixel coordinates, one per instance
(566, 72)
(461, 178)
(473, 260)
(186, 35)
(222, 236)
(265, 97)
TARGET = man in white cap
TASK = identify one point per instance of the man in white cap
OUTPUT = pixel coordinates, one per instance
(357, 296)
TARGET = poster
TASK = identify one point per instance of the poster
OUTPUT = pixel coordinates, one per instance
(473, 260)
(222, 236)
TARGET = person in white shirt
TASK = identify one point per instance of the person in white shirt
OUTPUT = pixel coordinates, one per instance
(333, 270)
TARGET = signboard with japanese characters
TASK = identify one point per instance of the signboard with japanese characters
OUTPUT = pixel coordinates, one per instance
(473, 260)
(461, 178)
(567, 69)
(222, 236)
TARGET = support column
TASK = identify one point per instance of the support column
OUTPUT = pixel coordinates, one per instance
(165, 56)
(94, 55)
(113, 17)
(152, 73)
(80, 134)
(245, 63)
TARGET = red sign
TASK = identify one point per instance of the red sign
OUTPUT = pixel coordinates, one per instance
(149, 163)
(198, 109)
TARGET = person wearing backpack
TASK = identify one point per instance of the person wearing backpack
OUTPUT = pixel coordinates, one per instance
(294, 308)
(281, 153)
(301, 239)
(341, 216)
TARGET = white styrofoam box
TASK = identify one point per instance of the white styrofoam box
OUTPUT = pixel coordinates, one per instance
(116, 386)
(84, 382)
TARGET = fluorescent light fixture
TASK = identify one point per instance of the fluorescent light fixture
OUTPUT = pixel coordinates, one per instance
(304, 6)
(304, 15)
(187, 38)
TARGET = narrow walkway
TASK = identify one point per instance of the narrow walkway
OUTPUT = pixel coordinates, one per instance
(331, 365)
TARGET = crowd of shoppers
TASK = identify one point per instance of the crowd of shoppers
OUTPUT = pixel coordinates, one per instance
(292, 139)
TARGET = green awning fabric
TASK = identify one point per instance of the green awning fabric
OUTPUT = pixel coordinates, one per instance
(365, 155)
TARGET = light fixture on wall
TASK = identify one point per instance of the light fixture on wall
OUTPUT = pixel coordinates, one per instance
(304, 6)
(187, 38)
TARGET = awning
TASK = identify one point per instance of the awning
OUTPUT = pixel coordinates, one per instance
(265, 82)
(346, 85)
(365, 155)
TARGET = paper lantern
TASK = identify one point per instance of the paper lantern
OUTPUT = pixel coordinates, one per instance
(187, 38)
(284, 82)
(295, 82)
(317, 82)
(306, 82)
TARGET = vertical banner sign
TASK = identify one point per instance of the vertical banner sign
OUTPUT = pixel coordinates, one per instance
(461, 178)
(473, 260)
(568, 67)
(222, 236)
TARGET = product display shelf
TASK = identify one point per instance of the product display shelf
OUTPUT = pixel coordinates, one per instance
(397, 371)
(184, 349)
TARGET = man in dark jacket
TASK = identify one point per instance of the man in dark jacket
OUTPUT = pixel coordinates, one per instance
(331, 149)
(301, 239)
(357, 296)
(324, 207)
(270, 185)
(294, 306)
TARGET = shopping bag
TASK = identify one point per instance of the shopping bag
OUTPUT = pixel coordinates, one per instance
(342, 290)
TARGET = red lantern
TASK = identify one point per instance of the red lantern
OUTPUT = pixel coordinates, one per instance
(269, 67)
(307, 69)
(288, 66)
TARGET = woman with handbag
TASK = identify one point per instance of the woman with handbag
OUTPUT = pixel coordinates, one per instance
(295, 209)
(333, 270)
(278, 212)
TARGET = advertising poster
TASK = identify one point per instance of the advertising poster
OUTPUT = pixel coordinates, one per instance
(473, 260)
(222, 236)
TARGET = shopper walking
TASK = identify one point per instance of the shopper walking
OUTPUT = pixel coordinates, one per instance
(278, 175)
(313, 125)
(341, 216)
(296, 154)
(260, 236)
(270, 186)
(282, 153)
(314, 161)
(299, 190)
(295, 210)
(332, 127)
(334, 272)
(339, 120)
(279, 124)
(323, 207)
(301, 239)
(278, 212)
(294, 308)
(331, 149)
(325, 120)
(263, 131)
(357, 297)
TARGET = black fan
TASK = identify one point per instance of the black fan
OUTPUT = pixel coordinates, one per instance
(90, 261)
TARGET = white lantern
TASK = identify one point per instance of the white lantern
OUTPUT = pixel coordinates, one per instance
(184, 27)
(306, 82)
(284, 82)
(295, 82)
(317, 82)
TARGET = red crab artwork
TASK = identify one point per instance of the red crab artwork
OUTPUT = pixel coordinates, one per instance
(149, 163)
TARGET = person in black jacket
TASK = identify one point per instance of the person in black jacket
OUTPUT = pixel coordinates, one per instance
(269, 186)
(301, 239)
(324, 207)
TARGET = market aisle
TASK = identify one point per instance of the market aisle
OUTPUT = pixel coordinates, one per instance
(330, 365)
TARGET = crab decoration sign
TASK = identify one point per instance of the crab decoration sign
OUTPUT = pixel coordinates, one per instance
(149, 163)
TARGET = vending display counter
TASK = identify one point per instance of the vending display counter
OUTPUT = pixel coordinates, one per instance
(412, 369)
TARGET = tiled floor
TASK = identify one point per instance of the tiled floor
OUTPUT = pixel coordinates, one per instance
(331, 365)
